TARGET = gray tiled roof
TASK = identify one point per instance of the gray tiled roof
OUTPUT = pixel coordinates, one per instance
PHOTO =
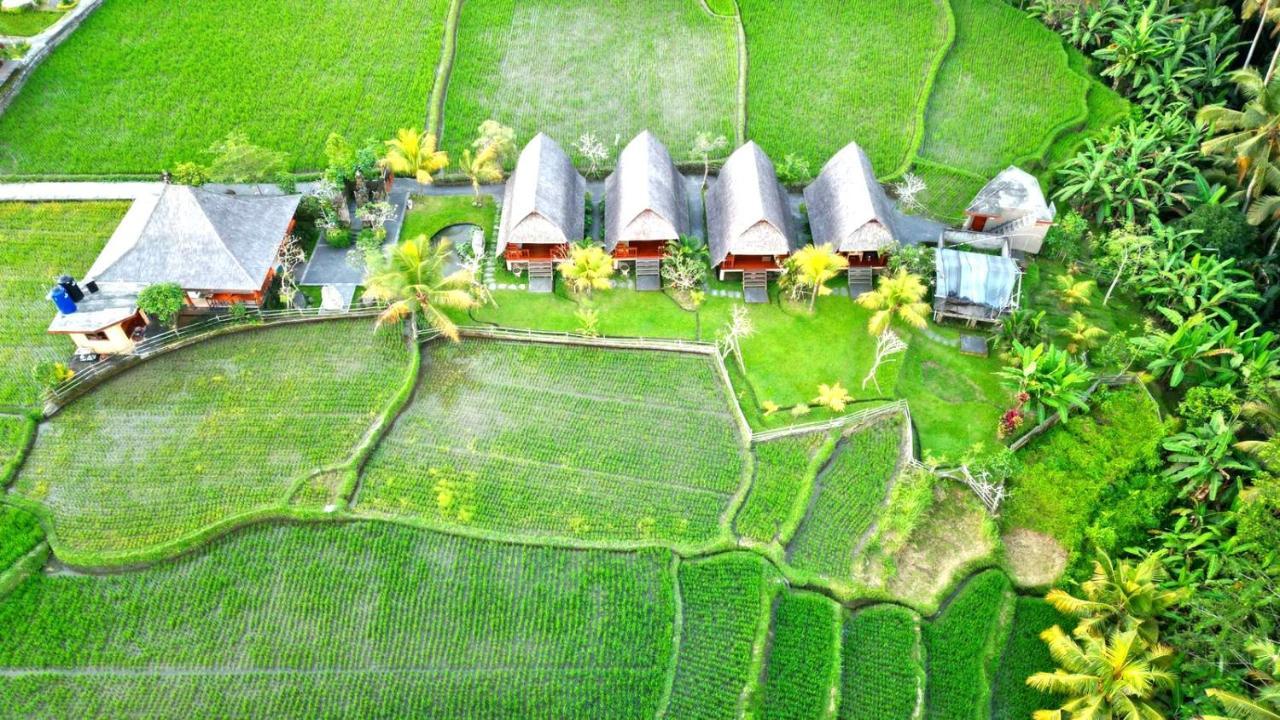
(645, 195)
(544, 199)
(748, 212)
(198, 239)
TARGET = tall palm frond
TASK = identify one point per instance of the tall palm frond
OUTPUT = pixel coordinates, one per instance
(899, 295)
(411, 279)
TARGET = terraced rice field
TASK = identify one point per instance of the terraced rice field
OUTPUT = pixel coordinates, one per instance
(608, 67)
(562, 442)
(858, 71)
(963, 646)
(882, 673)
(983, 114)
(725, 601)
(849, 495)
(354, 620)
(139, 88)
(784, 470)
(206, 434)
(803, 672)
(38, 243)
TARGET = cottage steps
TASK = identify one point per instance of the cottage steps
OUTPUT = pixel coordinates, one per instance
(647, 275)
(755, 286)
(861, 280)
(541, 269)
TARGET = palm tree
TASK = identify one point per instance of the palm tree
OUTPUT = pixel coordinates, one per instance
(415, 153)
(901, 295)
(587, 268)
(1112, 676)
(1080, 335)
(411, 279)
(1250, 135)
(1266, 14)
(812, 266)
(834, 397)
(481, 167)
(1266, 674)
(1075, 292)
(1120, 597)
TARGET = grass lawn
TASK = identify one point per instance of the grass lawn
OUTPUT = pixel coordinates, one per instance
(826, 72)
(790, 353)
(39, 242)
(608, 67)
(347, 620)
(1004, 92)
(139, 88)
(433, 213)
(26, 24)
(202, 435)
(956, 400)
(558, 442)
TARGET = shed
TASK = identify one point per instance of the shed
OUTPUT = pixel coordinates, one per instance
(1012, 205)
(975, 286)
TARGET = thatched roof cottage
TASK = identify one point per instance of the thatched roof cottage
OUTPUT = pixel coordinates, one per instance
(750, 229)
(645, 206)
(542, 211)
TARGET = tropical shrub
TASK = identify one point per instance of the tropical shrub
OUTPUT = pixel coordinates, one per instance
(1053, 382)
(162, 301)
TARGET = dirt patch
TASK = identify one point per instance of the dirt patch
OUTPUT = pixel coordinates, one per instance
(955, 534)
(1034, 558)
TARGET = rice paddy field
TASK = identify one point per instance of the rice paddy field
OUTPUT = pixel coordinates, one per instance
(139, 88)
(201, 436)
(859, 71)
(352, 620)
(847, 498)
(608, 67)
(574, 443)
(38, 243)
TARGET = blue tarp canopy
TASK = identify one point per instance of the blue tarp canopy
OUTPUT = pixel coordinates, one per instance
(988, 280)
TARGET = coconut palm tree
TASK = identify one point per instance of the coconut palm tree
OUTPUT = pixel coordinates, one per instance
(1120, 596)
(1112, 676)
(1250, 135)
(899, 295)
(1081, 336)
(414, 153)
(812, 266)
(1266, 675)
(1266, 14)
(411, 280)
(587, 268)
(834, 397)
(482, 166)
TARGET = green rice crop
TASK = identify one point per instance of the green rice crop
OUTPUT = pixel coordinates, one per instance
(882, 673)
(961, 646)
(207, 433)
(848, 496)
(569, 442)
(39, 242)
(347, 620)
(948, 191)
(19, 534)
(1004, 92)
(139, 87)
(608, 67)
(803, 670)
(725, 604)
(823, 73)
(1024, 655)
(782, 473)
